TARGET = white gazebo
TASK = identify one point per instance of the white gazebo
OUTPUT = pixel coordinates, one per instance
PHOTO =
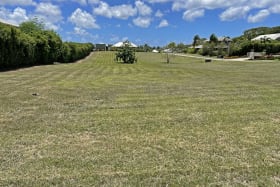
(122, 44)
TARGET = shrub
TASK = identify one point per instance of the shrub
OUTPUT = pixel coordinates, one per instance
(30, 45)
(126, 54)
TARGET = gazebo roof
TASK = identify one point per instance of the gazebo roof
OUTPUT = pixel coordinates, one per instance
(121, 44)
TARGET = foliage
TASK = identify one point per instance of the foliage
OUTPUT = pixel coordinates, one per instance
(171, 45)
(126, 54)
(74, 51)
(265, 39)
(191, 50)
(144, 48)
(241, 45)
(29, 45)
(31, 26)
(213, 39)
(181, 48)
(208, 49)
(258, 46)
(195, 40)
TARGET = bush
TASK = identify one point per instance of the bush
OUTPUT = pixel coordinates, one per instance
(247, 46)
(126, 54)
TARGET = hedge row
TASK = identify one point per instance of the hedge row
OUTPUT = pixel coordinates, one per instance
(19, 49)
(269, 48)
(240, 49)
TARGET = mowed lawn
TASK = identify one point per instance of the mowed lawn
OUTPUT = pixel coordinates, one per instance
(99, 123)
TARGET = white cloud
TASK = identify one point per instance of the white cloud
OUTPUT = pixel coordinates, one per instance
(49, 14)
(115, 38)
(275, 9)
(205, 4)
(83, 19)
(15, 17)
(103, 10)
(191, 15)
(121, 11)
(260, 16)
(80, 31)
(51, 11)
(143, 9)
(49, 25)
(163, 23)
(84, 35)
(81, 2)
(17, 2)
(143, 22)
(159, 14)
(231, 7)
(234, 13)
(158, 1)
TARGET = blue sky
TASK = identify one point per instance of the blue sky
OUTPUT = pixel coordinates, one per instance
(155, 22)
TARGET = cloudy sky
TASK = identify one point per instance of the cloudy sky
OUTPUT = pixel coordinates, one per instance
(155, 22)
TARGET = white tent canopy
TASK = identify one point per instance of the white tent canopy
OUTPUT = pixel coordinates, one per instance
(121, 44)
(270, 36)
(155, 51)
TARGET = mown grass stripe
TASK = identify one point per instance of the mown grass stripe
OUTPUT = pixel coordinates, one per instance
(100, 123)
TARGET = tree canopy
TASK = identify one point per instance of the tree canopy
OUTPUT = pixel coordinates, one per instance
(32, 26)
(213, 38)
(196, 38)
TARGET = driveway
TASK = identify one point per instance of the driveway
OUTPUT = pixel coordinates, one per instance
(203, 57)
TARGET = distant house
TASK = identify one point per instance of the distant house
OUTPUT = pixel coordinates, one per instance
(270, 36)
(100, 47)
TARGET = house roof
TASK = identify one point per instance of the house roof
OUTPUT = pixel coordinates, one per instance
(224, 38)
(271, 36)
(197, 47)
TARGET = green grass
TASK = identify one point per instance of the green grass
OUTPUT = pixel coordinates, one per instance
(98, 123)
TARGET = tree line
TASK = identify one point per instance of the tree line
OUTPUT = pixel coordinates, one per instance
(30, 44)
(226, 46)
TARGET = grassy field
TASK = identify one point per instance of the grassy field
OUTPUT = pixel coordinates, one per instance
(98, 123)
